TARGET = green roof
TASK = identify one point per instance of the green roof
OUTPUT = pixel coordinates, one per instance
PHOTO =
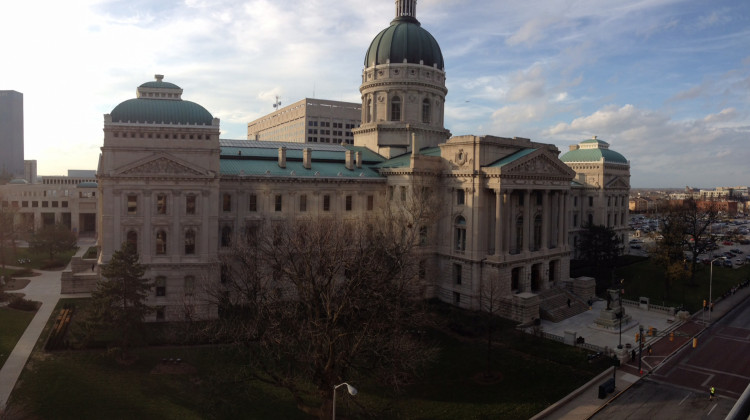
(593, 155)
(161, 111)
(510, 158)
(159, 85)
(404, 39)
(403, 161)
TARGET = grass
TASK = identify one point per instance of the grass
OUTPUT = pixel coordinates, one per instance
(39, 260)
(90, 384)
(91, 253)
(645, 278)
(14, 323)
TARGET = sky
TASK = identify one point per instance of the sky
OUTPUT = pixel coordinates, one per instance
(665, 82)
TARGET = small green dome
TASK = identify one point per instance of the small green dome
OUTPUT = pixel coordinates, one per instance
(157, 111)
(159, 84)
(593, 155)
(404, 39)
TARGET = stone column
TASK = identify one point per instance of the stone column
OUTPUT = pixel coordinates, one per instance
(499, 213)
(564, 224)
(546, 212)
(560, 218)
(526, 220)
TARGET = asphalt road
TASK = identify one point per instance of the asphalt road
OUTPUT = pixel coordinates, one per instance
(678, 387)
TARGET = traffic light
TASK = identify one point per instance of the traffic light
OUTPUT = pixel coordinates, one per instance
(671, 336)
(695, 342)
(704, 303)
(637, 337)
(650, 331)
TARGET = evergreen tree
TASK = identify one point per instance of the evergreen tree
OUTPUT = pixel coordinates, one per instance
(119, 301)
(599, 246)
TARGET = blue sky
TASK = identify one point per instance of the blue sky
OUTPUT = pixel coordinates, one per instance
(665, 82)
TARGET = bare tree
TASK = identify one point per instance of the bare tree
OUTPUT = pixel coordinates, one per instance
(490, 296)
(697, 219)
(320, 301)
(8, 232)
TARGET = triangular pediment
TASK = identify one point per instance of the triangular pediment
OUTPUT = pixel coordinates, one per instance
(617, 183)
(538, 164)
(161, 165)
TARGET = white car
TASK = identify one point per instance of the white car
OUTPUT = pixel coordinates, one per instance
(739, 261)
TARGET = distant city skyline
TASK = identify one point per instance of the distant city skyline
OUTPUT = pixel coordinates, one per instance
(665, 82)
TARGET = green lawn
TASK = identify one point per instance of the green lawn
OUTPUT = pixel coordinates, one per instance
(644, 278)
(14, 323)
(90, 384)
(39, 260)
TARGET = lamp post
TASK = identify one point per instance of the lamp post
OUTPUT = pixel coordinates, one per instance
(620, 315)
(352, 391)
(710, 286)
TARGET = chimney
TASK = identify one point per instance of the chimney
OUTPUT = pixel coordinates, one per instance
(359, 159)
(307, 158)
(282, 157)
(349, 163)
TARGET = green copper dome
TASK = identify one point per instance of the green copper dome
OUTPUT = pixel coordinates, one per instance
(158, 111)
(592, 150)
(159, 84)
(404, 39)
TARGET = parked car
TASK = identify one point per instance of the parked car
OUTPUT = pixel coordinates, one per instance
(727, 263)
(739, 261)
(728, 243)
(635, 246)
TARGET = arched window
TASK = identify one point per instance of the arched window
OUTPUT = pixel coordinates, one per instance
(537, 232)
(226, 236)
(369, 112)
(132, 240)
(460, 229)
(396, 108)
(189, 242)
(426, 110)
(161, 242)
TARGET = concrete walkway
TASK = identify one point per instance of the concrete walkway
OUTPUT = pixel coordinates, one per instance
(44, 288)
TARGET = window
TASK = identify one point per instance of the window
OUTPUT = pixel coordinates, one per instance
(537, 233)
(132, 239)
(326, 202)
(252, 202)
(161, 204)
(390, 192)
(36, 203)
(161, 286)
(44, 204)
(422, 235)
(190, 204)
(422, 269)
(303, 203)
(575, 220)
(161, 242)
(160, 313)
(189, 242)
(396, 108)
(226, 236)
(368, 117)
(519, 235)
(370, 202)
(132, 204)
(224, 273)
(348, 203)
(426, 110)
(402, 190)
(456, 298)
(539, 198)
(26, 203)
(591, 201)
(460, 233)
(460, 197)
(277, 202)
(575, 201)
(54, 204)
(189, 286)
(226, 202)
(457, 273)
(591, 219)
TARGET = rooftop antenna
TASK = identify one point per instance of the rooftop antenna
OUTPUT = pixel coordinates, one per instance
(277, 104)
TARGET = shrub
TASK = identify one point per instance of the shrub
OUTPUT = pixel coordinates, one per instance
(22, 304)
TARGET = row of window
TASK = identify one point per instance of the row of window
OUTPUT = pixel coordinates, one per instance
(395, 110)
(160, 286)
(159, 135)
(45, 204)
(330, 124)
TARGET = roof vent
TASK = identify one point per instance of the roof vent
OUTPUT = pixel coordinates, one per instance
(307, 158)
(348, 162)
(282, 157)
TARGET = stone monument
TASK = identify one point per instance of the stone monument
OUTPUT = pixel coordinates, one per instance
(614, 314)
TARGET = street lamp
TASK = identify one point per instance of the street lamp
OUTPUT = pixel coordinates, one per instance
(620, 315)
(710, 286)
(352, 391)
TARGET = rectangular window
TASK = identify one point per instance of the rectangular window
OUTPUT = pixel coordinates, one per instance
(252, 202)
(575, 201)
(422, 269)
(390, 192)
(370, 202)
(132, 204)
(457, 273)
(303, 203)
(277, 202)
(36, 203)
(55, 204)
(190, 204)
(189, 285)
(575, 220)
(456, 298)
(326, 202)
(161, 204)
(348, 203)
(26, 204)
(226, 202)
(160, 313)
(460, 197)
(402, 189)
(591, 201)
(161, 286)
(44, 204)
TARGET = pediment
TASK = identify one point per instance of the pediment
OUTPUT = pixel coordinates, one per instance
(161, 165)
(538, 164)
(617, 183)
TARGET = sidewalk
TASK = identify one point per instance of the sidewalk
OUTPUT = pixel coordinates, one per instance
(44, 288)
(584, 402)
